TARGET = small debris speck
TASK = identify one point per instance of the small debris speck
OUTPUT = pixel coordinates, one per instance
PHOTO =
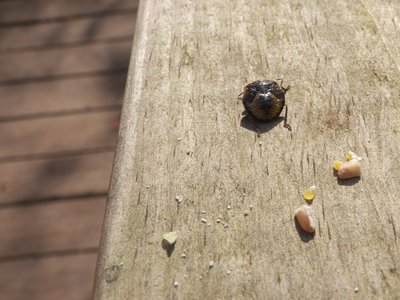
(203, 220)
(179, 139)
(211, 264)
(226, 225)
(175, 284)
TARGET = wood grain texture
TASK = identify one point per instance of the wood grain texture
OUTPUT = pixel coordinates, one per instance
(47, 278)
(61, 96)
(58, 134)
(186, 136)
(46, 10)
(51, 227)
(55, 178)
(97, 57)
(63, 33)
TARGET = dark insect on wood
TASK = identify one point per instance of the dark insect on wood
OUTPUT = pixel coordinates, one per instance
(264, 100)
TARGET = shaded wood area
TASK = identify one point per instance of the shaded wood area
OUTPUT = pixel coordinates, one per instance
(57, 277)
(186, 136)
(62, 78)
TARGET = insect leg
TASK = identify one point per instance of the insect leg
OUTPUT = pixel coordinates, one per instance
(281, 83)
(285, 124)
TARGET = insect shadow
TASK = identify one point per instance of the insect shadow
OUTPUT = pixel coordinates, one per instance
(304, 236)
(258, 127)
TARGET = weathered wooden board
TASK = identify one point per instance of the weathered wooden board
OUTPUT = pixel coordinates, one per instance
(96, 57)
(384, 20)
(62, 177)
(62, 96)
(12, 12)
(67, 32)
(58, 134)
(66, 277)
(182, 133)
(51, 227)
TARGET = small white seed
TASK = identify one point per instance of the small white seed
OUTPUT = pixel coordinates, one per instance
(246, 213)
(203, 220)
(175, 284)
(211, 264)
(349, 169)
(305, 217)
(170, 237)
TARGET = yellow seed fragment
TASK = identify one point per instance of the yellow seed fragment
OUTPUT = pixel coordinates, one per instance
(310, 193)
(337, 165)
(349, 156)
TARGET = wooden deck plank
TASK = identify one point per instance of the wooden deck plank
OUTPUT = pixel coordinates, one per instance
(384, 20)
(55, 62)
(51, 227)
(209, 154)
(57, 134)
(44, 10)
(66, 95)
(61, 33)
(63, 177)
(66, 277)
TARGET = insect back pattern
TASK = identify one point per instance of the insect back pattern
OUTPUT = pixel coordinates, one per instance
(264, 100)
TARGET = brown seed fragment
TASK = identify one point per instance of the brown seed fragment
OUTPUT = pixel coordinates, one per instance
(349, 169)
(305, 217)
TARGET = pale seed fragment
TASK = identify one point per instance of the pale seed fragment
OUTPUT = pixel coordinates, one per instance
(170, 237)
(305, 217)
(349, 169)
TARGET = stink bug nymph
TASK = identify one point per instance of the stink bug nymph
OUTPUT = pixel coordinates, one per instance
(264, 100)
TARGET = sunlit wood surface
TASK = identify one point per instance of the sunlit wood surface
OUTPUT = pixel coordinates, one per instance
(182, 133)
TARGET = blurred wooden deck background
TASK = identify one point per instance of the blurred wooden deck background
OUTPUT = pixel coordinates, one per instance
(62, 77)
